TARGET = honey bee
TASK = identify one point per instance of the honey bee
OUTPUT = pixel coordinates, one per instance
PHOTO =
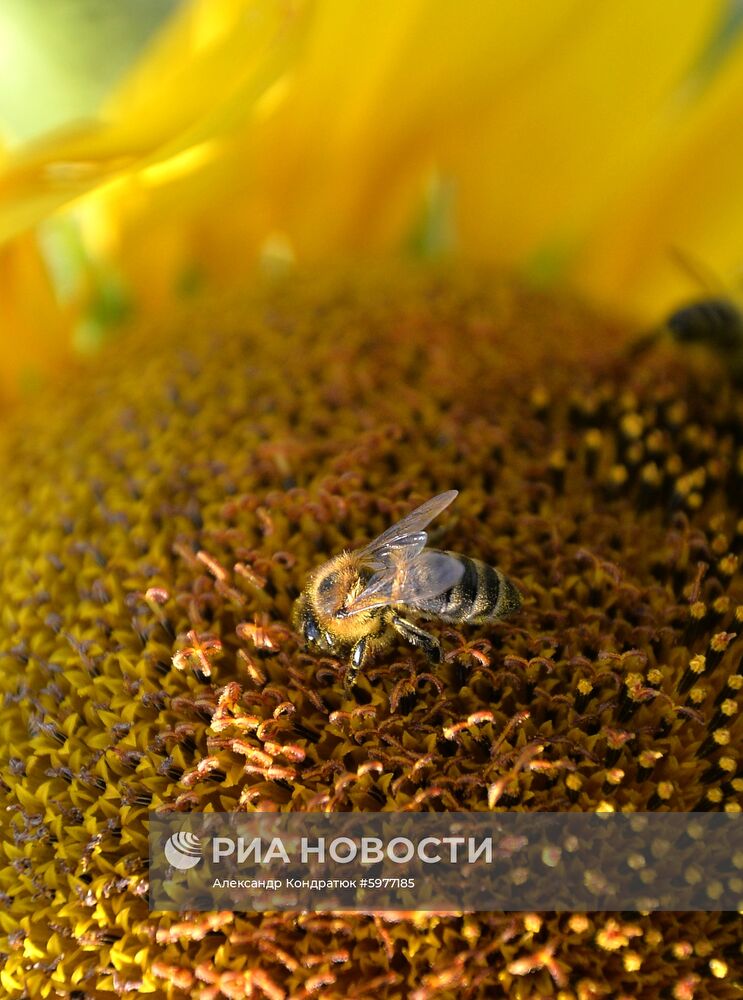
(713, 322)
(716, 322)
(352, 603)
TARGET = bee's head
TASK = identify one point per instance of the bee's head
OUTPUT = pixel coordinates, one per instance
(334, 585)
(306, 623)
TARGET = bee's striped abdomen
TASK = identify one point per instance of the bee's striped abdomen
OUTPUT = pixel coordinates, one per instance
(482, 594)
(716, 322)
(460, 600)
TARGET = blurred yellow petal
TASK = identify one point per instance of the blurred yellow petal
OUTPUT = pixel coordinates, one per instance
(34, 326)
(579, 125)
(689, 199)
(538, 130)
(298, 130)
(337, 155)
(213, 53)
(206, 74)
(399, 78)
(216, 58)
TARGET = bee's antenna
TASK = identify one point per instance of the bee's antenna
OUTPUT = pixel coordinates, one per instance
(699, 272)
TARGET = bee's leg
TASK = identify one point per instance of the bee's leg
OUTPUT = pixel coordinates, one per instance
(418, 637)
(357, 658)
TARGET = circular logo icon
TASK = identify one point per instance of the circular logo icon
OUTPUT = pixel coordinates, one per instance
(183, 850)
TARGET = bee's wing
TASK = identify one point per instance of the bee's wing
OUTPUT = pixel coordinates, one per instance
(406, 538)
(411, 582)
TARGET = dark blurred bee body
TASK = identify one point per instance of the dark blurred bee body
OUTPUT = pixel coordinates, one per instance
(715, 322)
(352, 603)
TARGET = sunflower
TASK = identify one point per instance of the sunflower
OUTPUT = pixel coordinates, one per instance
(166, 497)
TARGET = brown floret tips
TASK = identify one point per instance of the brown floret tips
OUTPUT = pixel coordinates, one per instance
(161, 511)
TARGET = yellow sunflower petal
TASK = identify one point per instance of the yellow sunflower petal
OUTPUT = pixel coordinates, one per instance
(398, 78)
(687, 202)
(35, 327)
(579, 124)
(326, 147)
(536, 132)
(212, 52)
